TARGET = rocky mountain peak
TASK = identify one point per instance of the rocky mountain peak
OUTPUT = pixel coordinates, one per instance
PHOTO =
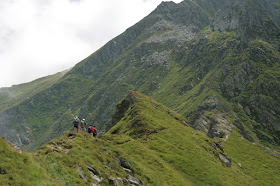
(166, 6)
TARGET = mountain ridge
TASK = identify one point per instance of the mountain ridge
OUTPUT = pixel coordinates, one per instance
(149, 145)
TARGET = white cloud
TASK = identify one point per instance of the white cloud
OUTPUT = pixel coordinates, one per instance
(42, 37)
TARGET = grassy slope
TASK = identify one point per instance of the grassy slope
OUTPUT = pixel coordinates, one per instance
(179, 147)
(20, 169)
(255, 160)
(161, 149)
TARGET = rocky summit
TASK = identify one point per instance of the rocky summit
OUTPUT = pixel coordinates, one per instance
(215, 62)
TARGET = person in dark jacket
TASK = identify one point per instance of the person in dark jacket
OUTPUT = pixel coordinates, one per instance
(83, 125)
(76, 124)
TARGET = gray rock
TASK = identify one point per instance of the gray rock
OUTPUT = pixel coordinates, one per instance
(220, 127)
(170, 31)
(81, 173)
(127, 170)
(239, 165)
(225, 160)
(125, 164)
(132, 180)
(244, 17)
(115, 181)
(93, 170)
(96, 178)
(95, 174)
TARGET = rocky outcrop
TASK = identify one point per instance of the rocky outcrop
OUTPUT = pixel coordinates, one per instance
(248, 19)
(211, 118)
(186, 13)
(18, 134)
(236, 80)
(214, 118)
(121, 109)
(218, 152)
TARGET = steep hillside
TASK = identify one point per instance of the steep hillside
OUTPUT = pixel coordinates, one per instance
(17, 168)
(13, 120)
(149, 144)
(214, 62)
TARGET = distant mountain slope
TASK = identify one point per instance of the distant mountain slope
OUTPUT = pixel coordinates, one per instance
(17, 93)
(13, 119)
(215, 62)
(150, 144)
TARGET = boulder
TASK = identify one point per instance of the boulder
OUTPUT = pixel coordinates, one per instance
(125, 163)
(132, 180)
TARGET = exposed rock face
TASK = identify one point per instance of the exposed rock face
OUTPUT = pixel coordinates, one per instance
(218, 152)
(121, 110)
(170, 31)
(185, 14)
(248, 18)
(237, 80)
(20, 135)
(210, 118)
(273, 8)
(160, 59)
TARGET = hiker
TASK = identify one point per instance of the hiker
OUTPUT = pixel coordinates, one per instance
(76, 124)
(83, 125)
(92, 130)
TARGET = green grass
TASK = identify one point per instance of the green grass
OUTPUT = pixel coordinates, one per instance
(178, 146)
(21, 169)
(161, 149)
(256, 162)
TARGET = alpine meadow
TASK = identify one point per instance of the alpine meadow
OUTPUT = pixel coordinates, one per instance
(190, 95)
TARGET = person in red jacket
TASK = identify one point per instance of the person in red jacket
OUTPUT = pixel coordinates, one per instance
(94, 131)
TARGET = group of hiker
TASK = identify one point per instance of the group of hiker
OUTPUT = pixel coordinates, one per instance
(82, 125)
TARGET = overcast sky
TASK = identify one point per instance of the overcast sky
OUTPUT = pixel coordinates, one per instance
(42, 37)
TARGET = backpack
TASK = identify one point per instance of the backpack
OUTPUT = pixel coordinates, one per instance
(76, 121)
(89, 130)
